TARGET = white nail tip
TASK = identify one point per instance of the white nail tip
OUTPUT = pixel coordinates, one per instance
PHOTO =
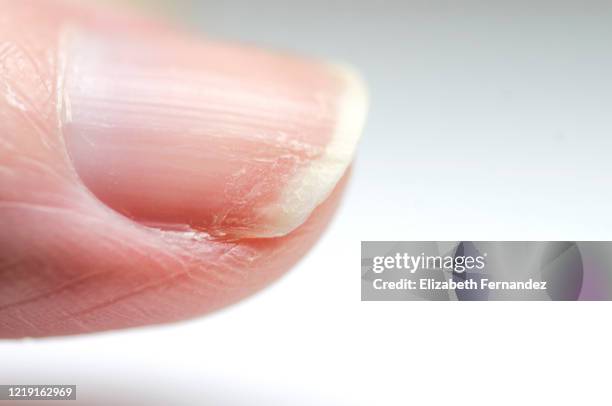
(313, 184)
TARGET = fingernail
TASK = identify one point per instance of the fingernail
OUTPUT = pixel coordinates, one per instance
(226, 139)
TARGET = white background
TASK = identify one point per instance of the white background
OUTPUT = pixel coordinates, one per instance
(489, 120)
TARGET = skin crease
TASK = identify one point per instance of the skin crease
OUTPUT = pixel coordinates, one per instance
(69, 263)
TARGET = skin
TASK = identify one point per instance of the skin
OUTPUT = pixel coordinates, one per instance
(101, 227)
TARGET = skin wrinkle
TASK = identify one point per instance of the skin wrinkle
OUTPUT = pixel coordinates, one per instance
(133, 249)
(224, 270)
(40, 167)
(242, 255)
(28, 104)
(172, 261)
(215, 279)
(20, 52)
(21, 59)
(46, 295)
(166, 281)
(47, 209)
(40, 128)
(24, 319)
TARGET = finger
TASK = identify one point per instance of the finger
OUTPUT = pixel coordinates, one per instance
(147, 177)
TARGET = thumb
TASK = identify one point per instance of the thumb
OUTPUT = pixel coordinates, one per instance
(148, 177)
